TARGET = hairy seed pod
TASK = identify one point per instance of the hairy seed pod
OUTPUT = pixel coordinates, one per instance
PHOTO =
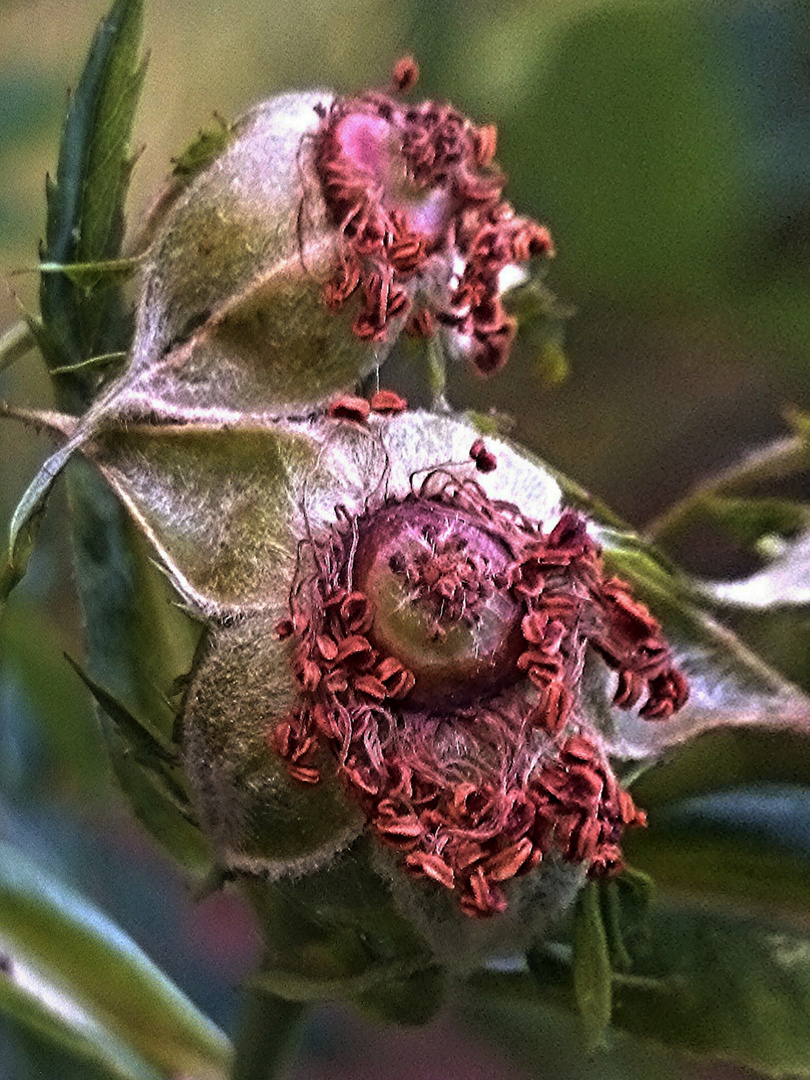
(232, 313)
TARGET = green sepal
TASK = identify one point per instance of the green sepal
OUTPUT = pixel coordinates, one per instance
(591, 967)
(201, 151)
(336, 934)
(413, 999)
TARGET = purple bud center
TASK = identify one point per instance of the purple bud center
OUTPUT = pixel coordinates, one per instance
(435, 580)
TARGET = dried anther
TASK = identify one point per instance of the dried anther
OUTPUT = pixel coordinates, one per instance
(426, 234)
(388, 403)
(485, 460)
(439, 646)
(347, 407)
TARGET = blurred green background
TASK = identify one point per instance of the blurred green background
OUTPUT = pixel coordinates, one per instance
(667, 144)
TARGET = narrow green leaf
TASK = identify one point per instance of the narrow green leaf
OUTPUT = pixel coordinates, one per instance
(92, 361)
(78, 950)
(626, 903)
(144, 745)
(775, 461)
(749, 520)
(85, 203)
(55, 1046)
(592, 972)
(86, 275)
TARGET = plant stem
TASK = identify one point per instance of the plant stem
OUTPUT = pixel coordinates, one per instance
(268, 1035)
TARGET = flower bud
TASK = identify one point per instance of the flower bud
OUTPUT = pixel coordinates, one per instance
(291, 263)
(397, 647)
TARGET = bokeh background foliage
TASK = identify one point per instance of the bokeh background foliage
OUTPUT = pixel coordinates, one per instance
(668, 145)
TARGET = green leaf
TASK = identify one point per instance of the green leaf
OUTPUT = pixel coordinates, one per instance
(721, 986)
(52, 1046)
(784, 581)
(592, 972)
(724, 759)
(750, 847)
(147, 744)
(84, 225)
(540, 1031)
(86, 275)
(777, 460)
(31, 653)
(91, 361)
(85, 204)
(137, 643)
(77, 949)
(749, 520)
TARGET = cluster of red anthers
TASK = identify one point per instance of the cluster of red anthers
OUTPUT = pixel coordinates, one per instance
(413, 194)
(478, 773)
